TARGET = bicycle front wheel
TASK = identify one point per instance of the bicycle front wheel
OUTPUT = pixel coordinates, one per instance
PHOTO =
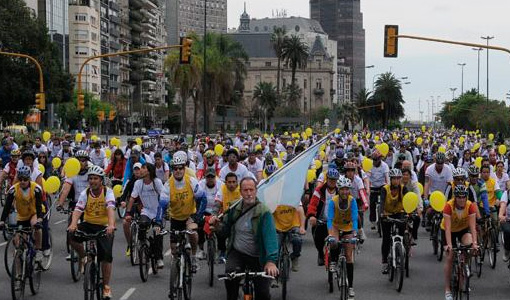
(211, 258)
(492, 248)
(440, 250)
(399, 267)
(187, 278)
(343, 284)
(284, 268)
(134, 244)
(34, 278)
(143, 258)
(17, 277)
(174, 279)
(89, 281)
(75, 266)
(10, 252)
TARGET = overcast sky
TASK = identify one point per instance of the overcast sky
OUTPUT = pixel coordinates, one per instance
(431, 67)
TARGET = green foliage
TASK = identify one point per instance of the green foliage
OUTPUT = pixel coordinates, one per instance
(71, 117)
(278, 38)
(320, 114)
(265, 95)
(388, 90)
(295, 53)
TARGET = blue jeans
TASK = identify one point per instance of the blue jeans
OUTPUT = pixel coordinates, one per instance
(296, 240)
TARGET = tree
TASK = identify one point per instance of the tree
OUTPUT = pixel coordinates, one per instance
(265, 94)
(71, 117)
(21, 32)
(363, 99)
(388, 90)
(295, 53)
(278, 38)
(348, 113)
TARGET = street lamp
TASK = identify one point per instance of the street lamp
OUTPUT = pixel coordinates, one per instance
(204, 79)
(369, 67)
(462, 65)
(478, 85)
(453, 92)
(487, 38)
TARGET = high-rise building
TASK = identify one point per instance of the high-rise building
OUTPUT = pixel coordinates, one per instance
(32, 5)
(55, 15)
(185, 16)
(343, 21)
(110, 25)
(84, 41)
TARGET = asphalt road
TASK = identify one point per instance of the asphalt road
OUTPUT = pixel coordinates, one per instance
(425, 281)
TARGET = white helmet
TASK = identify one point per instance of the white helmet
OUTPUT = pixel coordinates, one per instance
(96, 170)
(343, 182)
(179, 158)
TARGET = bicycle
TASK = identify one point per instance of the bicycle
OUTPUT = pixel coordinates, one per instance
(211, 255)
(147, 253)
(338, 271)
(408, 237)
(181, 272)
(436, 235)
(284, 263)
(74, 259)
(3, 192)
(460, 272)
(24, 265)
(396, 257)
(378, 212)
(93, 277)
(246, 286)
(488, 233)
(134, 242)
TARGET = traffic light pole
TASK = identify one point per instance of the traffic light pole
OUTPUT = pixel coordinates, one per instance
(41, 80)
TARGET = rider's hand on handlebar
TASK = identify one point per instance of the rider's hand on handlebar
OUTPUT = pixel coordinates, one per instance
(448, 248)
(271, 269)
(123, 204)
(313, 221)
(71, 228)
(2, 225)
(59, 208)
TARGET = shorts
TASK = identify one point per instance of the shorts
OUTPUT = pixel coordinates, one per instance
(24, 224)
(179, 225)
(104, 244)
(455, 235)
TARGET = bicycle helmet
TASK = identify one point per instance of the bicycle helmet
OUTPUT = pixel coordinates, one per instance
(395, 173)
(82, 154)
(96, 170)
(15, 152)
(460, 191)
(270, 169)
(146, 145)
(333, 174)
(473, 170)
(27, 154)
(459, 172)
(349, 166)
(179, 158)
(209, 154)
(24, 172)
(339, 153)
(440, 158)
(136, 148)
(343, 182)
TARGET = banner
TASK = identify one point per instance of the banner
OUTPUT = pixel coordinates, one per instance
(286, 185)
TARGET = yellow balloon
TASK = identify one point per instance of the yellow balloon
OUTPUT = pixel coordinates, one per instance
(384, 149)
(108, 153)
(218, 149)
(42, 168)
(502, 149)
(419, 141)
(337, 130)
(478, 162)
(491, 136)
(266, 135)
(279, 162)
(309, 131)
(78, 137)
(437, 201)
(322, 147)
(423, 128)
(138, 141)
(376, 138)
(318, 164)
(72, 167)
(355, 138)
(94, 138)
(46, 136)
(310, 176)
(322, 155)
(410, 202)
(368, 135)
(475, 147)
(56, 162)
(406, 136)
(420, 187)
(117, 191)
(442, 149)
(257, 147)
(461, 140)
(52, 184)
(367, 164)
(286, 133)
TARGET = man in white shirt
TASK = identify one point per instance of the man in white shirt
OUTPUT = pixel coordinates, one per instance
(39, 147)
(233, 166)
(379, 177)
(98, 156)
(254, 165)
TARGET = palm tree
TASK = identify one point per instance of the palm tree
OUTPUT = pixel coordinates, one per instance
(388, 90)
(278, 38)
(265, 94)
(348, 113)
(362, 99)
(295, 53)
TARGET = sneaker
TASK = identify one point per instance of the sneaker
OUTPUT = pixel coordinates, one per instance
(332, 266)
(200, 254)
(68, 257)
(320, 261)
(107, 292)
(506, 256)
(194, 265)
(160, 264)
(47, 252)
(128, 251)
(351, 292)
(385, 268)
(222, 259)
(295, 264)
(373, 226)
(448, 296)
(38, 256)
(362, 236)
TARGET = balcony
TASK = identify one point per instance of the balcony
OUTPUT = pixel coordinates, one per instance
(114, 45)
(114, 32)
(115, 59)
(149, 25)
(151, 4)
(318, 91)
(114, 71)
(114, 6)
(115, 19)
(332, 92)
(135, 4)
(135, 15)
(114, 84)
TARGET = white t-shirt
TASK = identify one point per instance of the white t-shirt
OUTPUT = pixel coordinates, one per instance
(256, 167)
(241, 172)
(329, 198)
(357, 185)
(378, 175)
(502, 181)
(148, 195)
(210, 193)
(438, 181)
(41, 149)
(98, 159)
(79, 183)
(160, 172)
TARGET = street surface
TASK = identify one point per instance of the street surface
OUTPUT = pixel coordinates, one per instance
(425, 281)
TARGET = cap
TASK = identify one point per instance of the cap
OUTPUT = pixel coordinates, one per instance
(210, 171)
(137, 165)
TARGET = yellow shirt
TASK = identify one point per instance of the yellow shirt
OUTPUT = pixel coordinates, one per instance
(393, 204)
(343, 217)
(229, 197)
(285, 218)
(25, 205)
(491, 191)
(95, 210)
(458, 222)
(182, 201)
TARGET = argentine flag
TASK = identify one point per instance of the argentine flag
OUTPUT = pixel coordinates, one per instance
(285, 186)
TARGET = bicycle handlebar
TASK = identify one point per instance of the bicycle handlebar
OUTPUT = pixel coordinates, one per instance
(96, 235)
(178, 232)
(234, 275)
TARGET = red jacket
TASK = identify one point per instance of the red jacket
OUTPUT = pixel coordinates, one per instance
(118, 169)
(316, 206)
(201, 172)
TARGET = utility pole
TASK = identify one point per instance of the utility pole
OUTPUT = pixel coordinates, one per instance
(204, 79)
(487, 38)
(462, 65)
(478, 84)
(453, 92)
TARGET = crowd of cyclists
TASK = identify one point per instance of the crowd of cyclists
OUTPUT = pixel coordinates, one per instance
(201, 186)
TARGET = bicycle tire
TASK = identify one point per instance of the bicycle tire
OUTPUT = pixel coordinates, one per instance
(143, 258)
(75, 266)
(399, 267)
(378, 221)
(440, 250)
(9, 253)
(478, 265)
(454, 280)
(285, 272)
(17, 279)
(152, 256)
(465, 290)
(34, 277)
(391, 269)
(46, 262)
(133, 244)
(174, 273)
(434, 237)
(407, 251)
(99, 282)
(187, 276)
(493, 256)
(89, 281)
(343, 282)
(211, 258)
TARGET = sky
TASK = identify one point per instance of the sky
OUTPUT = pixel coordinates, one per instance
(432, 68)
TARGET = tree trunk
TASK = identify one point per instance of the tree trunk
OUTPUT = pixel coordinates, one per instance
(184, 99)
(278, 77)
(195, 115)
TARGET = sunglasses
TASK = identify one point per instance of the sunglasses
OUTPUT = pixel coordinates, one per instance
(178, 168)
(210, 176)
(24, 179)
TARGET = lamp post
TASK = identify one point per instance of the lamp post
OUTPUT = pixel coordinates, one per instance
(462, 65)
(487, 38)
(453, 92)
(204, 79)
(478, 80)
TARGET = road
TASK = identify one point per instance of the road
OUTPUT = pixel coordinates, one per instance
(425, 281)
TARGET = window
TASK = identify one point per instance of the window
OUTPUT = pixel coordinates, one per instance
(318, 83)
(93, 21)
(80, 50)
(305, 83)
(80, 17)
(81, 34)
(268, 63)
(93, 36)
(95, 87)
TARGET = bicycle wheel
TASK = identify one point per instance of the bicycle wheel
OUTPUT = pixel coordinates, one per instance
(121, 212)
(46, 262)
(99, 282)
(143, 258)
(343, 284)
(174, 275)
(187, 278)
(492, 248)
(75, 266)
(478, 265)
(17, 277)
(440, 249)
(34, 277)
(465, 286)
(89, 281)
(399, 267)
(454, 281)
(284, 269)
(152, 256)
(10, 251)
(434, 238)
(134, 244)
(391, 267)
(211, 257)
(407, 250)
(378, 213)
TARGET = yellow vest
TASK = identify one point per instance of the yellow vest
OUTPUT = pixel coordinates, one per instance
(393, 205)
(95, 210)
(285, 218)
(25, 206)
(343, 217)
(182, 201)
(228, 196)
(491, 192)
(458, 223)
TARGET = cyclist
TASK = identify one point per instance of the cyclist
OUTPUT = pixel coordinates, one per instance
(162, 168)
(459, 178)
(437, 177)
(504, 218)
(126, 194)
(5, 152)
(77, 183)
(343, 224)
(148, 188)
(459, 222)
(391, 206)
(209, 161)
(66, 152)
(179, 199)
(254, 165)
(97, 204)
(27, 198)
(116, 167)
(98, 156)
(358, 191)
(317, 211)
(9, 171)
(378, 179)
(477, 191)
(234, 166)
(210, 185)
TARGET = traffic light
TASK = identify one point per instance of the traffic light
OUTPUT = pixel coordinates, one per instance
(111, 116)
(185, 52)
(40, 101)
(81, 102)
(390, 41)
(100, 115)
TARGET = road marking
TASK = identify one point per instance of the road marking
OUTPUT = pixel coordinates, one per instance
(168, 252)
(3, 244)
(128, 294)
(60, 222)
